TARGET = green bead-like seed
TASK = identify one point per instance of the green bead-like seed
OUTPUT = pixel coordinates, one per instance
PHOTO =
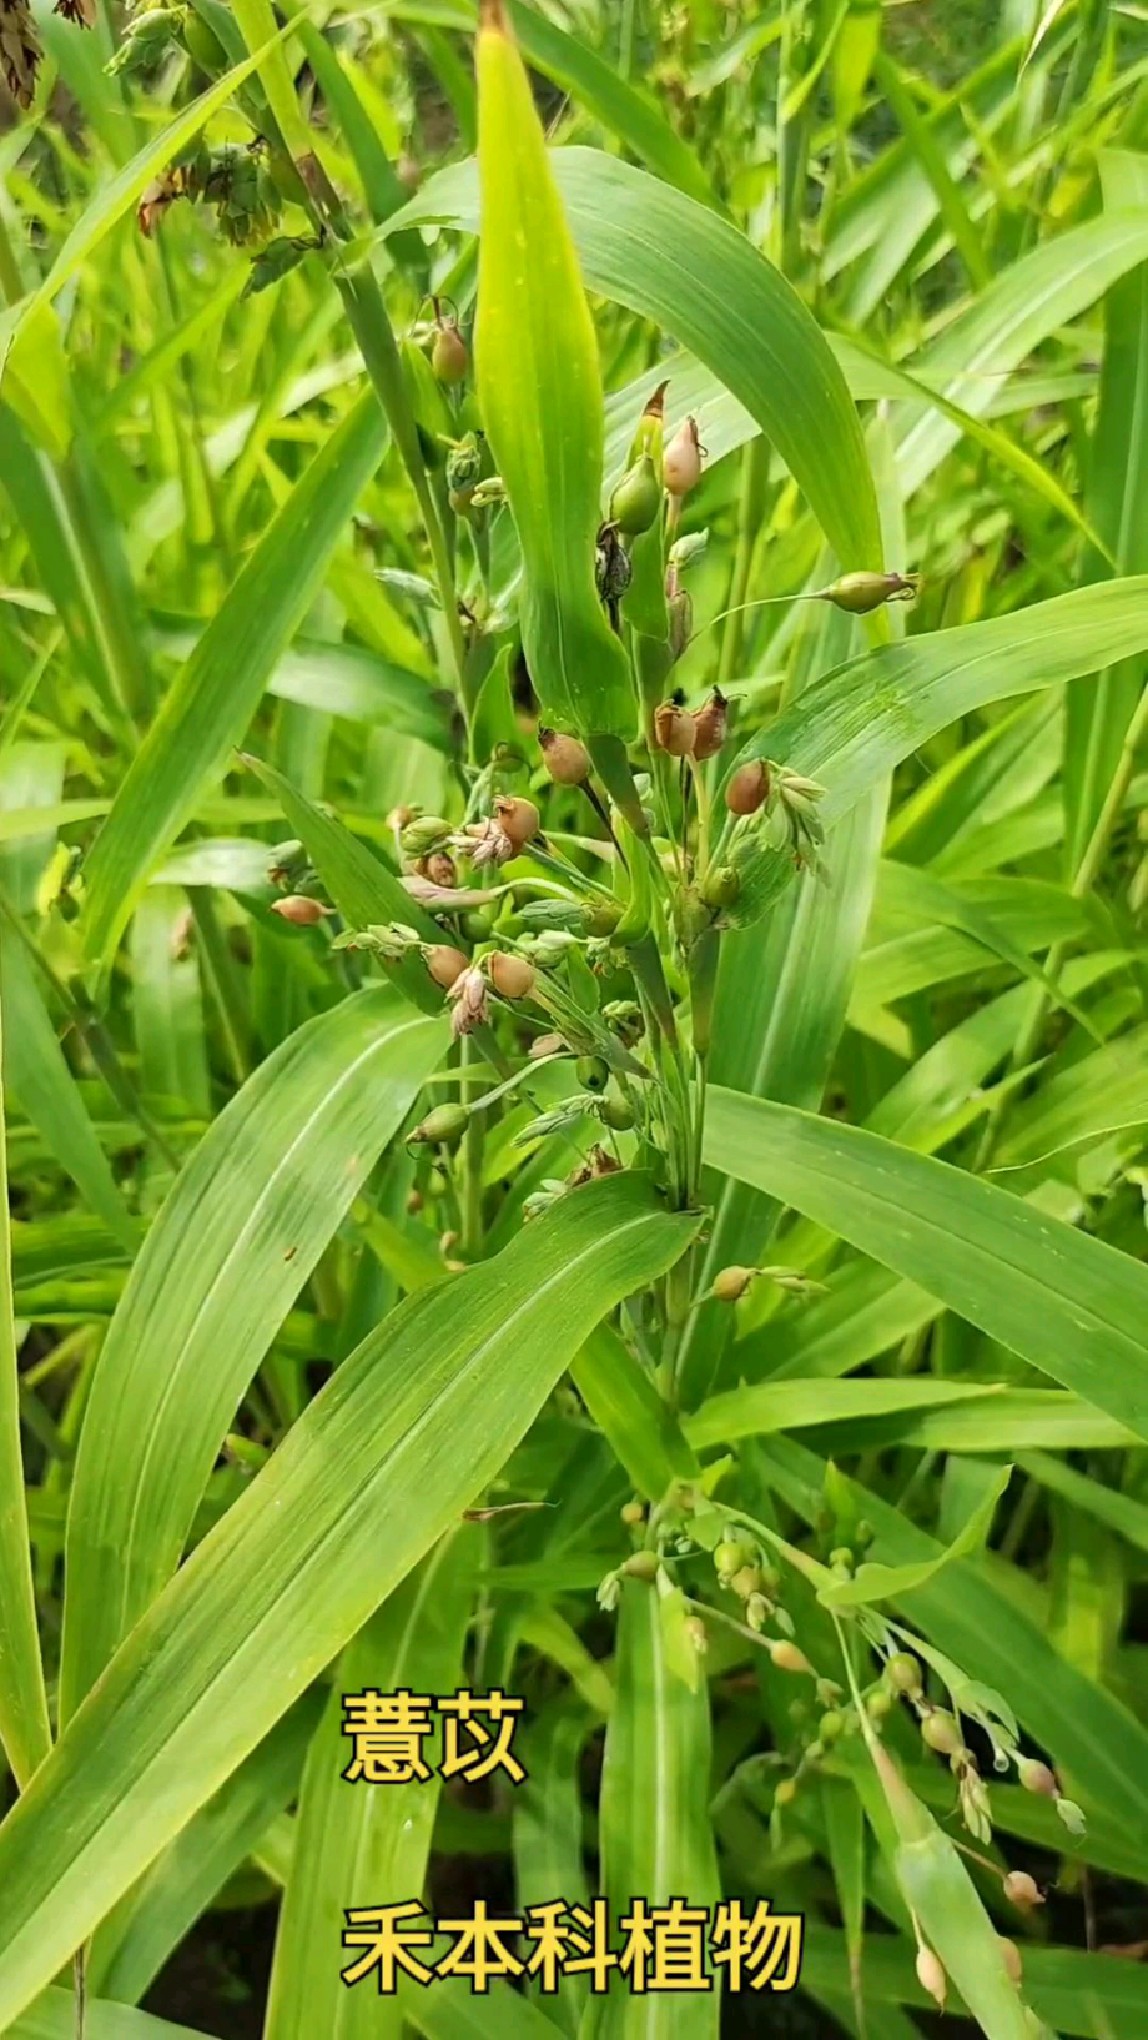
(592, 1072)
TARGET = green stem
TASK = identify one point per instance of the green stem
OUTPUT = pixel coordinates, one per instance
(472, 1158)
(363, 302)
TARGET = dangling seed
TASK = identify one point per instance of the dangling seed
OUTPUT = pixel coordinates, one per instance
(616, 1112)
(445, 1125)
(450, 358)
(592, 1072)
(680, 617)
(786, 1656)
(518, 819)
(468, 997)
(698, 1635)
(1022, 1890)
(1037, 1777)
(729, 1556)
(299, 910)
(637, 499)
(758, 1611)
(710, 725)
(566, 760)
(904, 1673)
(511, 976)
(1011, 1956)
(682, 461)
(440, 868)
(748, 788)
(746, 1581)
(643, 1565)
(674, 729)
(931, 1976)
(859, 593)
(941, 1732)
(445, 964)
(731, 1283)
(633, 1513)
(786, 1792)
(544, 1045)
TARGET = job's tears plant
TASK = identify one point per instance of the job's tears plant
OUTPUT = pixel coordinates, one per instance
(528, 824)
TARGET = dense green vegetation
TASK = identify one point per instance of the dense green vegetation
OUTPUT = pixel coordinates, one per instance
(573, 618)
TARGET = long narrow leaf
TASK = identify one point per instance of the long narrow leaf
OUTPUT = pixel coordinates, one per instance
(379, 1465)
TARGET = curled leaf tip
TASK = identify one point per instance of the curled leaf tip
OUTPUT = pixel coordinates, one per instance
(656, 407)
(492, 14)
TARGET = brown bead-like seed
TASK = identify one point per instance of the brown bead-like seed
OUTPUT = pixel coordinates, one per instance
(566, 760)
(299, 910)
(439, 867)
(674, 730)
(450, 358)
(445, 964)
(518, 819)
(1022, 1890)
(710, 725)
(786, 1656)
(731, 1283)
(1037, 1777)
(1010, 1954)
(682, 460)
(544, 1045)
(511, 976)
(931, 1975)
(748, 788)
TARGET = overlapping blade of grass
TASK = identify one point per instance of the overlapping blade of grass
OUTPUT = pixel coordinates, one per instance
(854, 725)
(236, 1240)
(671, 260)
(536, 360)
(632, 115)
(1075, 1990)
(1047, 288)
(366, 889)
(981, 1626)
(212, 700)
(143, 1932)
(53, 2017)
(1099, 710)
(117, 197)
(655, 1836)
(369, 1845)
(37, 1073)
(781, 1005)
(297, 1565)
(36, 1070)
(25, 1732)
(43, 498)
(1074, 1307)
(547, 1827)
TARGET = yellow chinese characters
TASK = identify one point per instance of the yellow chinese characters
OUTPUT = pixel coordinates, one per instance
(389, 1732)
(657, 1949)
